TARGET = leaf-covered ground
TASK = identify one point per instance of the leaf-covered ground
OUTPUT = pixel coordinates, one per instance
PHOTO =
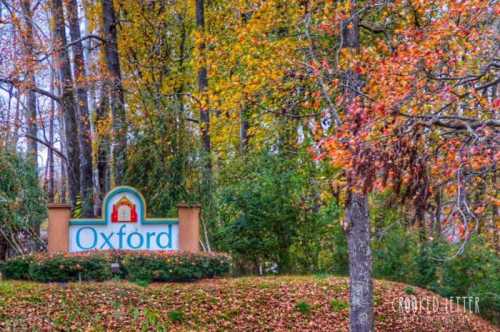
(242, 304)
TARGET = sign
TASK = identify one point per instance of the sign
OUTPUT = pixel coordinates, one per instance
(124, 226)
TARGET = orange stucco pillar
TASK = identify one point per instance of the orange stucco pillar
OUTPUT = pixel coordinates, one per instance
(58, 230)
(189, 227)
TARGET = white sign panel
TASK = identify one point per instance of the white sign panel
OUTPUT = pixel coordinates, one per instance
(124, 226)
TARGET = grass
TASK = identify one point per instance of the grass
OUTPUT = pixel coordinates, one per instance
(176, 316)
(303, 307)
(409, 290)
(338, 305)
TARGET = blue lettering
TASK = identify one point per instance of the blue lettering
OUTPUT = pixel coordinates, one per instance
(107, 240)
(121, 233)
(78, 242)
(169, 239)
(149, 235)
(129, 240)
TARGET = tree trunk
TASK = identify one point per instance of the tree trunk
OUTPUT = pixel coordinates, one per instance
(493, 229)
(15, 138)
(356, 214)
(6, 141)
(202, 88)
(103, 148)
(69, 107)
(119, 144)
(360, 263)
(88, 56)
(4, 246)
(64, 165)
(84, 137)
(30, 74)
(50, 157)
(206, 172)
(437, 217)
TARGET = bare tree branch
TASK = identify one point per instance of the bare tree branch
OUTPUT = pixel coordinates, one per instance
(48, 145)
(35, 89)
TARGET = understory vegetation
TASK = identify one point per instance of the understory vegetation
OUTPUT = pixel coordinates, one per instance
(23, 205)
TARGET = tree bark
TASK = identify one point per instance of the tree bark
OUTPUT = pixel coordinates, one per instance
(88, 56)
(119, 144)
(15, 138)
(493, 229)
(356, 214)
(206, 172)
(69, 107)
(103, 148)
(360, 263)
(202, 88)
(64, 166)
(30, 74)
(84, 137)
(50, 157)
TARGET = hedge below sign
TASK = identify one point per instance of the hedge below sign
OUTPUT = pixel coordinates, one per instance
(131, 265)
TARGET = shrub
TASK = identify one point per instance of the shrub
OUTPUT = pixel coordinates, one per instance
(137, 266)
(173, 266)
(394, 255)
(46, 268)
(474, 273)
(22, 202)
(17, 268)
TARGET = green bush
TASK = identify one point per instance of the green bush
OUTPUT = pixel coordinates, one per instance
(435, 265)
(474, 273)
(22, 203)
(171, 266)
(272, 216)
(394, 255)
(137, 266)
(70, 268)
(17, 268)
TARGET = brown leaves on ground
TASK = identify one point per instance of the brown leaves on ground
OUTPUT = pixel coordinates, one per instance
(241, 304)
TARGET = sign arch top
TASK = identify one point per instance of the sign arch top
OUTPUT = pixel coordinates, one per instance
(111, 204)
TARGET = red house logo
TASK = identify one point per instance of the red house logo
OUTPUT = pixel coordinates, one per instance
(124, 211)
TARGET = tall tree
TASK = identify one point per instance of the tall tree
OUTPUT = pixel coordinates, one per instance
(357, 222)
(68, 100)
(31, 98)
(206, 175)
(204, 102)
(119, 140)
(84, 134)
(29, 65)
(50, 154)
(406, 102)
(103, 145)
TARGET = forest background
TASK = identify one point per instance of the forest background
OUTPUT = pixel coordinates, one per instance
(290, 122)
